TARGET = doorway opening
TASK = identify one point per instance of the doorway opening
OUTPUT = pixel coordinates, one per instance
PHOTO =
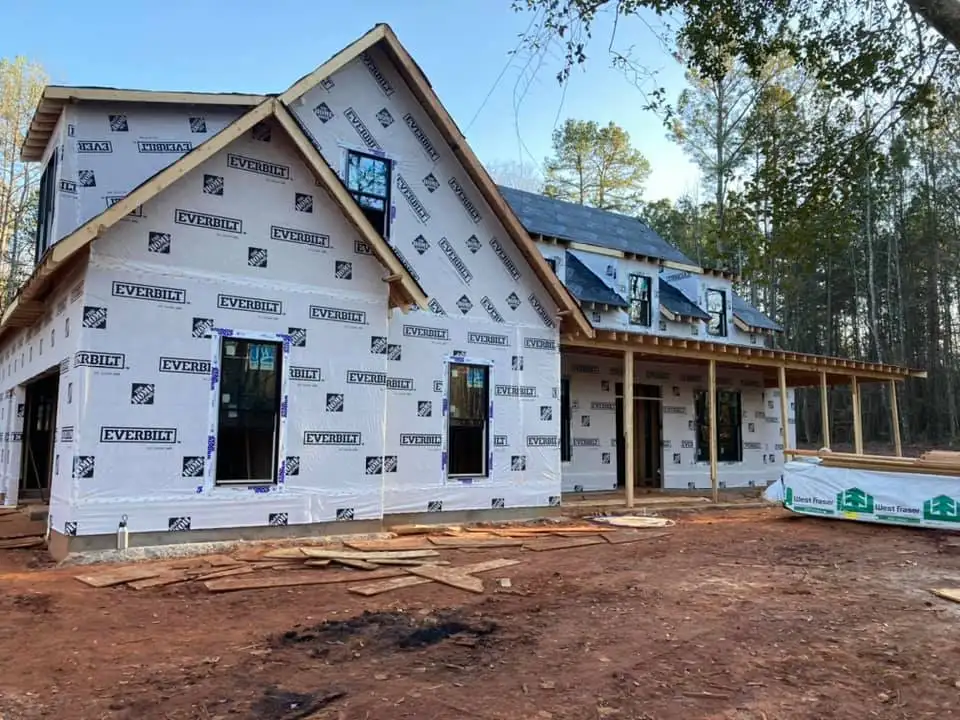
(647, 437)
(39, 435)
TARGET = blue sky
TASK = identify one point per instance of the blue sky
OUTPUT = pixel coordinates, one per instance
(462, 45)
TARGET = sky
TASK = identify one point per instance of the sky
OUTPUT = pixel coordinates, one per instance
(506, 106)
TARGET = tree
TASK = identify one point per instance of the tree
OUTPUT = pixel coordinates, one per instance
(596, 166)
(21, 84)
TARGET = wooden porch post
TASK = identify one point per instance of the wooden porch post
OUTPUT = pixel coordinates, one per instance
(784, 410)
(712, 429)
(857, 419)
(824, 411)
(628, 459)
(895, 419)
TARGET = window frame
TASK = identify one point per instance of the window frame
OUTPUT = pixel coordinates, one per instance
(646, 305)
(732, 423)
(722, 331)
(210, 483)
(566, 419)
(358, 194)
(488, 430)
(46, 206)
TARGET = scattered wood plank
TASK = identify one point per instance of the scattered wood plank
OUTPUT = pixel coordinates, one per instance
(308, 563)
(370, 556)
(23, 542)
(229, 572)
(448, 576)
(117, 576)
(541, 530)
(569, 535)
(375, 588)
(409, 562)
(418, 529)
(947, 593)
(415, 542)
(561, 543)
(286, 553)
(355, 564)
(628, 536)
(465, 542)
(167, 578)
(308, 578)
(209, 560)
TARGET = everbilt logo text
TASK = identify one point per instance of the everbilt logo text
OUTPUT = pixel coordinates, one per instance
(207, 221)
(427, 333)
(306, 374)
(317, 437)
(464, 200)
(508, 263)
(94, 146)
(156, 293)
(187, 366)
(248, 304)
(532, 343)
(541, 441)
(144, 146)
(487, 339)
(260, 167)
(523, 391)
(340, 315)
(363, 377)
(152, 436)
(113, 361)
(411, 197)
(421, 137)
(462, 270)
(301, 237)
(362, 130)
(417, 440)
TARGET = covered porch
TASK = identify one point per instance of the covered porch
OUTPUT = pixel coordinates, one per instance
(776, 370)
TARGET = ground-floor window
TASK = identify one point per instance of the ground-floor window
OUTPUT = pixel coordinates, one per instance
(248, 423)
(729, 430)
(566, 448)
(468, 420)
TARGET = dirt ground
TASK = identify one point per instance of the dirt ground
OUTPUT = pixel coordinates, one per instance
(747, 615)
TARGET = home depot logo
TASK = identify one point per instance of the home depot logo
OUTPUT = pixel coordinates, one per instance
(142, 393)
(207, 221)
(300, 237)
(257, 257)
(164, 146)
(159, 242)
(334, 402)
(94, 318)
(292, 465)
(83, 466)
(201, 327)
(155, 293)
(259, 167)
(377, 464)
(298, 336)
(192, 466)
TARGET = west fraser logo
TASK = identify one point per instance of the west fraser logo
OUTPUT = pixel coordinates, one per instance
(94, 146)
(334, 402)
(142, 435)
(298, 336)
(411, 197)
(508, 263)
(343, 270)
(110, 361)
(363, 377)
(476, 338)
(197, 124)
(487, 304)
(385, 118)
(161, 146)
(378, 76)
(340, 315)
(68, 186)
(542, 441)
(213, 184)
(464, 200)
(83, 466)
(142, 393)
(184, 366)
(422, 138)
(155, 293)
(260, 167)
(541, 311)
(431, 183)
(462, 270)
(401, 384)
(418, 440)
(192, 466)
(424, 408)
(87, 178)
(301, 237)
(306, 374)
(94, 317)
(208, 222)
(118, 123)
(158, 242)
(249, 304)
(331, 437)
(257, 257)
(426, 333)
(323, 112)
(521, 391)
(303, 202)
(362, 130)
(201, 327)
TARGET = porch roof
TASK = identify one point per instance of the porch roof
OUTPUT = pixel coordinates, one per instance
(802, 369)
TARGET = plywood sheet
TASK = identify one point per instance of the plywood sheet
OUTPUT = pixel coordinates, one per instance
(371, 556)
(448, 576)
(416, 542)
(376, 588)
(118, 576)
(292, 580)
(469, 542)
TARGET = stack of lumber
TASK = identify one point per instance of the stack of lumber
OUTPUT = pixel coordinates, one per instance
(18, 528)
(933, 462)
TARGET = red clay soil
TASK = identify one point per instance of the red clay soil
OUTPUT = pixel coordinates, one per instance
(752, 615)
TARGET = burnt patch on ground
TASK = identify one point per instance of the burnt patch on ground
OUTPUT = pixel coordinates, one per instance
(278, 704)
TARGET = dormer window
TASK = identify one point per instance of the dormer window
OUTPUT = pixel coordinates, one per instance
(717, 310)
(368, 180)
(639, 310)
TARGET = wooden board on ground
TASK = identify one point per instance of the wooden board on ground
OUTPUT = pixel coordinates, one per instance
(229, 572)
(308, 563)
(947, 593)
(24, 542)
(628, 536)
(562, 543)
(210, 560)
(540, 530)
(371, 556)
(167, 578)
(382, 586)
(568, 535)
(448, 576)
(411, 562)
(355, 564)
(469, 542)
(415, 542)
(285, 553)
(418, 529)
(291, 580)
(121, 575)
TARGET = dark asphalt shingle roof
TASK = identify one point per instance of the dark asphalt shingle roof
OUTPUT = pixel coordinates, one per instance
(679, 304)
(579, 223)
(751, 316)
(587, 286)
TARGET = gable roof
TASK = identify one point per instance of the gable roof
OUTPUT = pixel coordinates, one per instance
(748, 318)
(678, 304)
(403, 288)
(542, 215)
(587, 286)
(384, 38)
(55, 97)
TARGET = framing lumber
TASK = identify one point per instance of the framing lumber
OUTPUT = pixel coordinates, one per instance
(448, 576)
(323, 553)
(469, 542)
(785, 408)
(857, 417)
(895, 420)
(712, 428)
(400, 543)
(629, 470)
(825, 410)
(375, 588)
(355, 564)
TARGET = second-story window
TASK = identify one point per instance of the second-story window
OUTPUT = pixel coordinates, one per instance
(717, 310)
(640, 300)
(48, 194)
(368, 180)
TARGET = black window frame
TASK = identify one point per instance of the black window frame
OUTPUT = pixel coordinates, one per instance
(720, 315)
(359, 194)
(484, 428)
(644, 317)
(729, 430)
(47, 201)
(566, 414)
(278, 371)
